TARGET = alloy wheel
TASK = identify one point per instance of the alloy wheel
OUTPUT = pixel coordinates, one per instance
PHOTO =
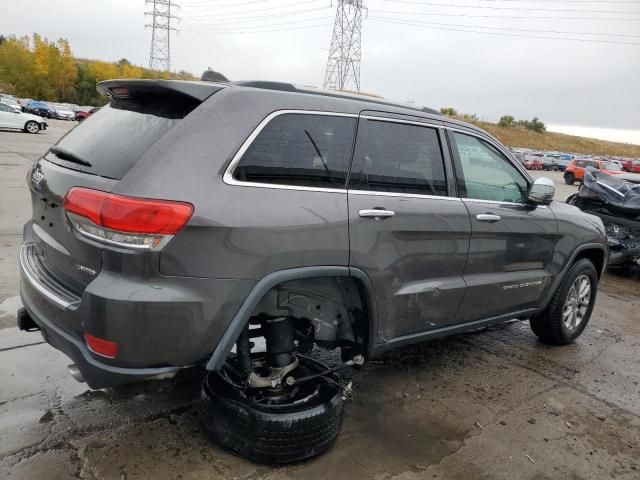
(577, 302)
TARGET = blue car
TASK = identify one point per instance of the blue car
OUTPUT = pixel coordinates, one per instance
(41, 109)
(562, 164)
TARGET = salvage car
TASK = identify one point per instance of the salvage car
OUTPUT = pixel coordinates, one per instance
(576, 168)
(616, 200)
(12, 118)
(237, 226)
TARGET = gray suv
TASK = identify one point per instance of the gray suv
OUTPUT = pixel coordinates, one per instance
(238, 226)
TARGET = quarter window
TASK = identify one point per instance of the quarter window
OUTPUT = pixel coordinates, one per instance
(398, 157)
(302, 150)
(484, 173)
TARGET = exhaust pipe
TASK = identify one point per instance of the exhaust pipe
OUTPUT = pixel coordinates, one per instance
(74, 371)
(25, 322)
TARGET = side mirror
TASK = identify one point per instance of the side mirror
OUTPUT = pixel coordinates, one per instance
(542, 191)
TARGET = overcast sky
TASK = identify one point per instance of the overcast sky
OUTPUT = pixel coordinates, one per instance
(426, 51)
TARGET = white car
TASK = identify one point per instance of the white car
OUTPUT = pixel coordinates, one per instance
(13, 118)
(11, 101)
(63, 112)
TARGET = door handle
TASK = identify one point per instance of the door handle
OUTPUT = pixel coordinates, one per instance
(377, 213)
(488, 217)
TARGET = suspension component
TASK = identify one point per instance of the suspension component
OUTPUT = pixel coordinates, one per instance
(278, 333)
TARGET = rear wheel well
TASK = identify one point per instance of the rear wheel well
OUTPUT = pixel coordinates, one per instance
(595, 255)
(333, 311)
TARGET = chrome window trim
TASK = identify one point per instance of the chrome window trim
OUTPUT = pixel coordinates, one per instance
(230, 180)
(403, 195)
(401, 120)
(503, 202)
(228, 174)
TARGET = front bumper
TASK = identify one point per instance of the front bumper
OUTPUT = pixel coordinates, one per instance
(43, 126)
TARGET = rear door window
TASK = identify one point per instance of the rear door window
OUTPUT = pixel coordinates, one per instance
(298, 149)
(112, 140)
(398, 157)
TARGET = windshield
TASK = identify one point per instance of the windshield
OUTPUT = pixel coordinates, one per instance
(64, 109)
(611, 166)
(9, 101)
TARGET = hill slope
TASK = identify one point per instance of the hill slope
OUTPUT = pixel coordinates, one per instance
(521, 137)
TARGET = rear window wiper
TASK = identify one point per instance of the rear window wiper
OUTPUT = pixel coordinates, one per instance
(66, 155)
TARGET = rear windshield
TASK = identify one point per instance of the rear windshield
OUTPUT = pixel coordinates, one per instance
(112, 140)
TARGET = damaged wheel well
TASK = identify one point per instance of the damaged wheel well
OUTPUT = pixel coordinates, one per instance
(329, 311)
(340, 289)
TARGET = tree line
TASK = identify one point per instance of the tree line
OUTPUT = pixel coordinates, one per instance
(506, 121)
(37, 68)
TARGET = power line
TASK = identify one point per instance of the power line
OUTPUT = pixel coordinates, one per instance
(161, 15)
(487, 7)
(228, 51)
(241, 27)
(262, 17)
(508, 17)
(219, 14)
(266, 30)
(508, 28)
(387, 20)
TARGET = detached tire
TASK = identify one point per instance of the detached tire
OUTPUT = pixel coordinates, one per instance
(268, 433)
(569, 178)
(571, 306)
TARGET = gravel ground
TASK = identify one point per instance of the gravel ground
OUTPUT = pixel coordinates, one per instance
(493, 404)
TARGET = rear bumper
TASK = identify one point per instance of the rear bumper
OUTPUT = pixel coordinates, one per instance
(160, 324)
(95, 373)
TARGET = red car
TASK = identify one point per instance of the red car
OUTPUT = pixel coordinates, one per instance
(533, 164)
(632, 166)
(82, 114)
(575, 169)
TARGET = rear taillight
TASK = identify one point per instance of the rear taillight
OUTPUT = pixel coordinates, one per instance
(139, 223)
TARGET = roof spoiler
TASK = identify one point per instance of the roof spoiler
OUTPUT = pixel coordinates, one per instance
(128, 88)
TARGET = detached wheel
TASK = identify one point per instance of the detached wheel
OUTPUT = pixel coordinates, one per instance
(272, 426)
(31, 127)
(571, 306)
(569, 178)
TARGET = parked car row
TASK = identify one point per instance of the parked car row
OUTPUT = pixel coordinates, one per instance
(558, 161)
(14, 118)
(60, 111)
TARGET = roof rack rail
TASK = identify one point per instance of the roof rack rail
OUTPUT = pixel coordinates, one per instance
(282, 86)
(289, 87)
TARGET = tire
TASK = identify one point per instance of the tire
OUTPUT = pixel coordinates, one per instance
(270, 434)
(31, 127)
(552, 326)
(569, 178)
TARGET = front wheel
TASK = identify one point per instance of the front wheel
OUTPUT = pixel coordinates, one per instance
(31, 127)
(273, 425)
(571, 306)
(569, 178)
